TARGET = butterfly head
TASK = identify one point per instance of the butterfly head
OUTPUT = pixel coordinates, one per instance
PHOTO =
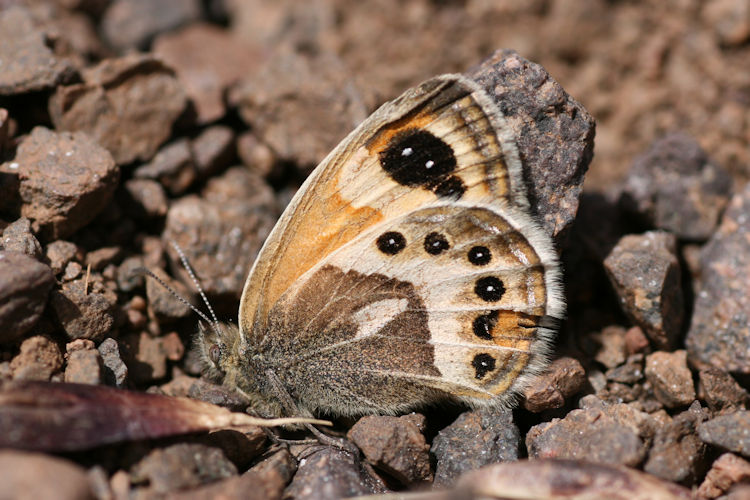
(218, 345)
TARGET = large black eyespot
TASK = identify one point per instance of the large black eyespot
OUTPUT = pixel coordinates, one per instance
(489, 289)
(435, 244)
(391, 242)
(480, 255)
(483, 364)
(415, 157)
(214, 354)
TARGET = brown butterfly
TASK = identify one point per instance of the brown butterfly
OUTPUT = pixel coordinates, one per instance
(406, 271)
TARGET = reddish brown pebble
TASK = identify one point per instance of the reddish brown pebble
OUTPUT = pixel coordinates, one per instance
(38, 476)
(131, 24)
(28, 62)
(181, 466)
(19, 238)
(208, 60)
(83, 314)
(562, 379)
(645, 274)
(128, 105)
(590, 434)
(725, 472)
(265, 481)
(394, 445)
(24, 287)
(102, 257)
(720, 391)
(611, 350)
(66, 179)
(151, 360)
(635, 340)
(59, 253)
(329, 472)
(173, 346)
(475, 439)
(676, 187)
(172, 166)
(677, 453)
(84, 363)
(214, 150)
(719, 333)
(255, 155)
(145, 199)
(729, 432)
(670, 378)
(162, 302)
(39, 359)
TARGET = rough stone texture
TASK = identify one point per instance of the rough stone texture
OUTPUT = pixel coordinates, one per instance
(162, 302)
(265, 481)
(172, 166)
(24, 287)
(66, 179)
(132, 24)
(566, 479)
(59, 253)
(730, 432)
(34, 475)
(394, 445)
(475, 439)
(301, 106)
(84, 363)
(720, 391)
(670, 378)
(719, 333)
(102, 257)
(677, 453)
(725, 472)
(631, 372)
(208, 61)
(645, 274)
(609, 435)
(84, 314)
(554, 134)
(181, 466)
(609, 346)
(18, 237)
(39, 359)
(150, 359)
(330, 473)
(144, 199)
(28, 63)
(213, 150)
(564, 378)
(128, 105)
(222, 232)
(115, 371)
(676, 187)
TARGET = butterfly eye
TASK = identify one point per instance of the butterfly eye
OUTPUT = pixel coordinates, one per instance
(214, 353)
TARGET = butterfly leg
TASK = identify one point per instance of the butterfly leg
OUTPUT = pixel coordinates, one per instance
(290, 408)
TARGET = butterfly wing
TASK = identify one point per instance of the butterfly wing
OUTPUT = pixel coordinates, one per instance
(407, 267)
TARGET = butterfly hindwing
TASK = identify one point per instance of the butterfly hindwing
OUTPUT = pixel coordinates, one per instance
(407, 268)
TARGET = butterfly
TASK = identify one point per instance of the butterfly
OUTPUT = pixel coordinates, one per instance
(406, 271)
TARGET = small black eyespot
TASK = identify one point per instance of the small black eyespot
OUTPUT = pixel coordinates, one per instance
(391, 242)
(483, 364)
(214, 353)
(489, 289)
(484, 324)
(480, 255)
(452, 188)
(435, 244)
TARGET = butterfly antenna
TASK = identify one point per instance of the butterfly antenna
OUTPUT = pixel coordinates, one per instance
(176, 295)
